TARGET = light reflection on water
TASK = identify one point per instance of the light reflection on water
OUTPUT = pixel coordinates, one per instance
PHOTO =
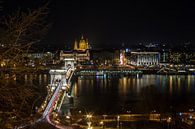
(170, 84)
(37, 79)
(115, 94)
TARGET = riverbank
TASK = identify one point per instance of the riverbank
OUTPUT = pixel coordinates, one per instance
(27, 92)
(127, 72)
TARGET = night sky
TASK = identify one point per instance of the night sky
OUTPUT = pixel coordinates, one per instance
(111, 23)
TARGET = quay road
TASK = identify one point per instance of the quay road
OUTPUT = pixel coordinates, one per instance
(111, 121)
(81, 120)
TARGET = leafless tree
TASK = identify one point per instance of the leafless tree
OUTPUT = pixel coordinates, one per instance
(18, 32)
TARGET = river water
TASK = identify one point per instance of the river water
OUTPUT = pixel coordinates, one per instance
(112, 95)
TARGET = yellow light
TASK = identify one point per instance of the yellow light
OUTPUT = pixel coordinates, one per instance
(169, 120)
(68, 117)
(56, 114)
(3, 64)
(89, 116)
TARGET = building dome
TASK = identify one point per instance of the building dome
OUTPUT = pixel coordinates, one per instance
(82, 46)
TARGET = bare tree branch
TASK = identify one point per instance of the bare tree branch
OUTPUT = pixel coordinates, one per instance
(20, 31)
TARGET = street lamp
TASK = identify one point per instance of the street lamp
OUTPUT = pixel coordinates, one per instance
(89, 125)
(89, 116)
(67, 117)
(102, 124)
(118, 119)
(104, 116)
(169, 121)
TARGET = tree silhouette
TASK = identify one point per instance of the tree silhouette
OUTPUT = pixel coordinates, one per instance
(18, 32)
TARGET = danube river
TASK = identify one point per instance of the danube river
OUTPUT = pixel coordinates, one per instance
(132, 94)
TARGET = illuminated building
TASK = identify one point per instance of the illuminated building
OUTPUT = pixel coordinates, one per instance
(117, 57)
(182, 54)
(175, 57)
(180, 57)
(102, 57)
(80, 53)
(145, 58)
(165, 56)
(122, 57)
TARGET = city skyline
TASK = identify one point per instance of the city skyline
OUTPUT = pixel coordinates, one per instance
(113, 23)
(76, 64)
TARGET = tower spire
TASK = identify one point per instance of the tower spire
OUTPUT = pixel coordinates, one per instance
(75, 45)
(87, 44)
(82, 37)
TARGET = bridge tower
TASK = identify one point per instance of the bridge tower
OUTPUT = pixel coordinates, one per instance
(69, 63)
(56, 76)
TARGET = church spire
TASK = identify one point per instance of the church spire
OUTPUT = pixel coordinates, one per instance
(75, 45)
(87, 44)
(82, 37)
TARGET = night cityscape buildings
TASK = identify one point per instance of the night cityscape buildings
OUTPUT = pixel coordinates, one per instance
(80, 52)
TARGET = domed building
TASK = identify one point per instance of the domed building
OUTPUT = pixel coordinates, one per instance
(80, 52)
(82, 46)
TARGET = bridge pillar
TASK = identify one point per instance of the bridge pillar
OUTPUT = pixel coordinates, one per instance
(69, 63)
(57, 75)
